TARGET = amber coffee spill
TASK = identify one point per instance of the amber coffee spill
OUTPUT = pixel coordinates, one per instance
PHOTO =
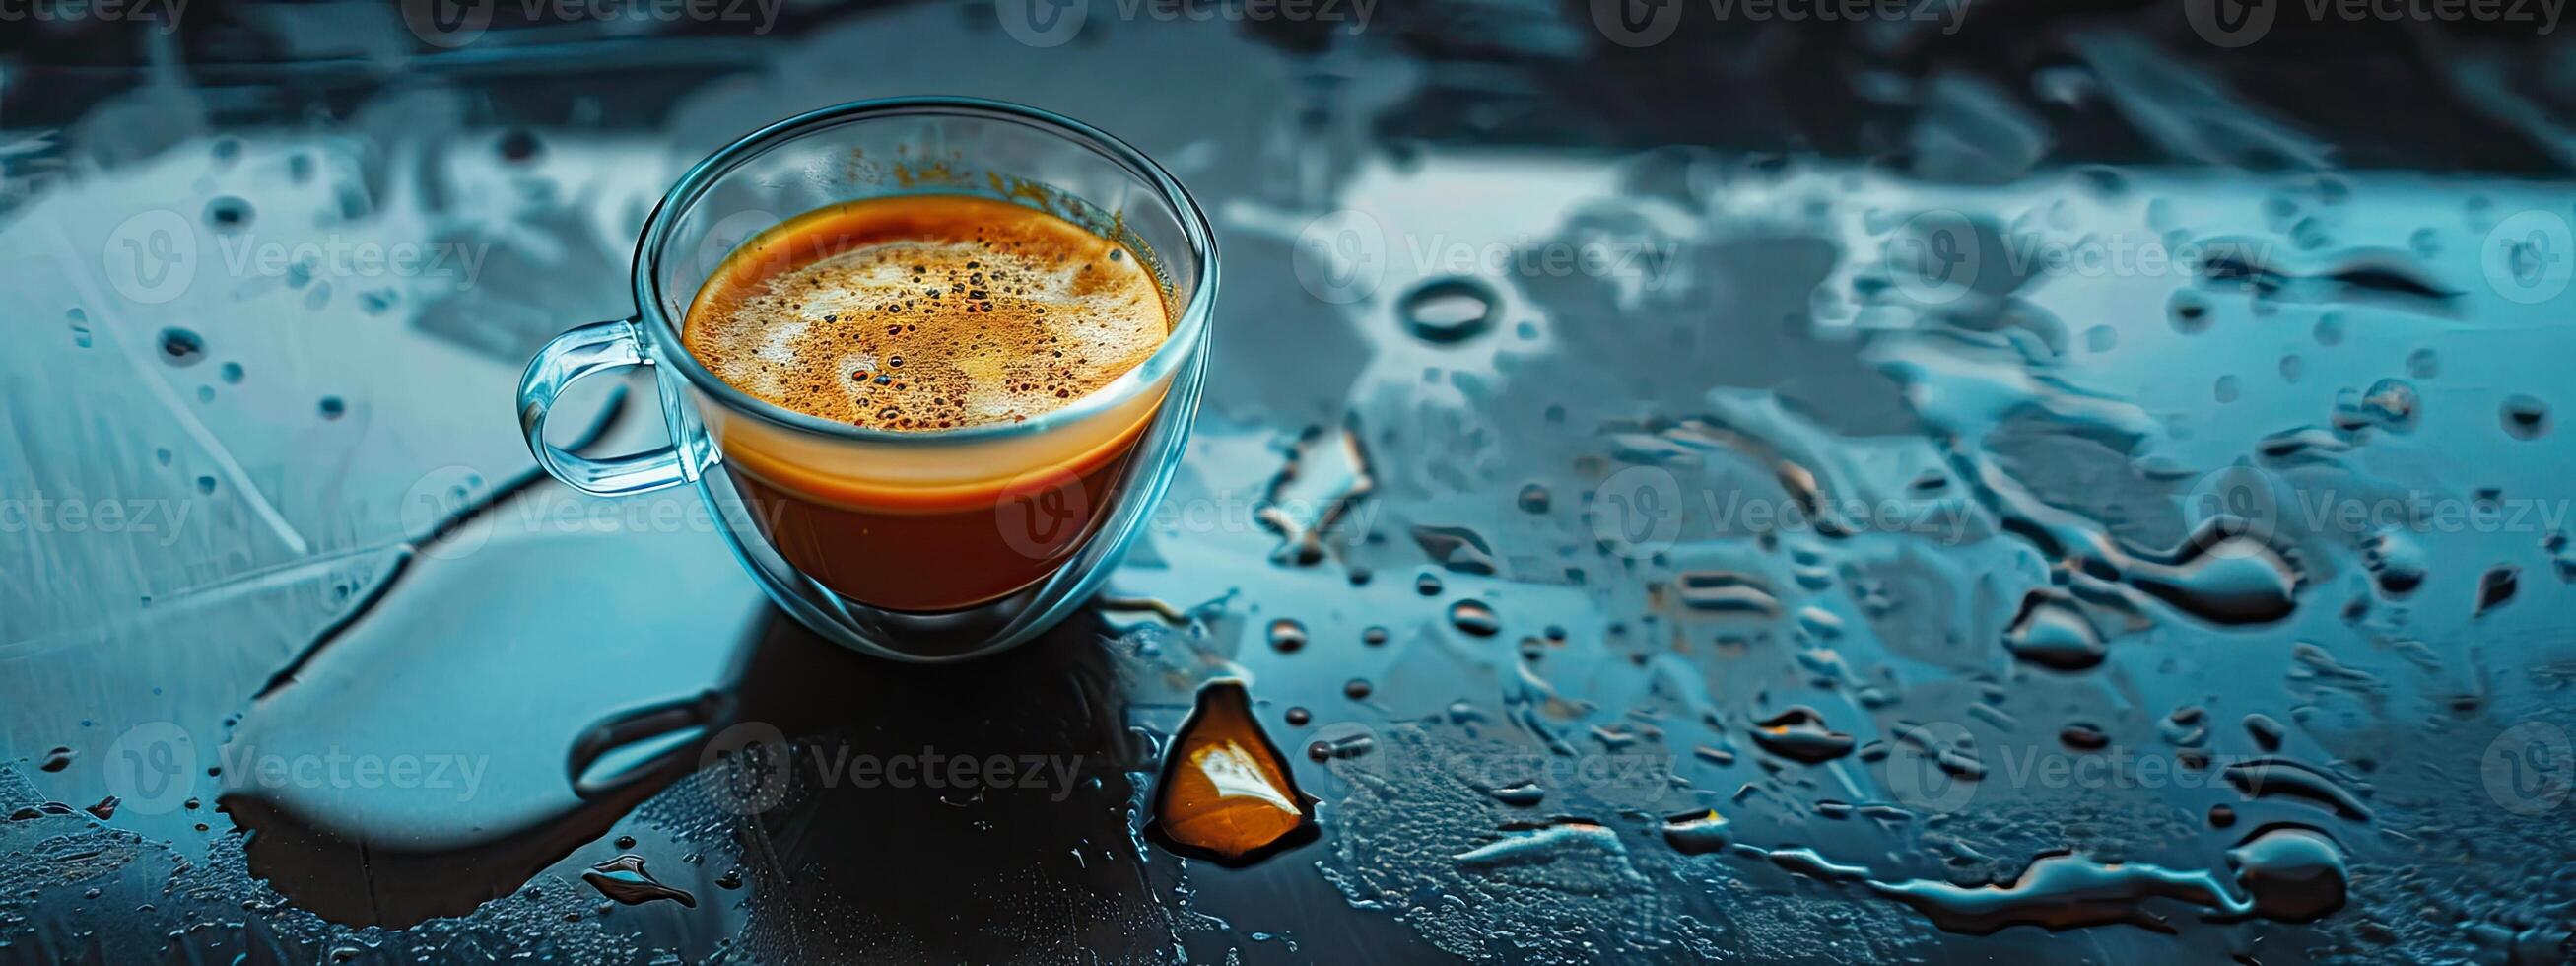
(1226, 793)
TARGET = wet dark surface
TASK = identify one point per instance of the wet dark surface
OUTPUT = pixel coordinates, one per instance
(2061, 488)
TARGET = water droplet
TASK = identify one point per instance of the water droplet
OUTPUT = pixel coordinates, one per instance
(1457, 548)
(1475, 618)
(2423, 364)
(2329, 329)
(2225, 390)
(206, 484)
(1356, 688)
(1373, 636)
(228, 214)
(1448, 309)
(519, 144)
(1428, 585)
(2285, 778)
(57, 759)
(2189, 313)
(2083, 736)
(2052, 633)
(2496, 586)
(2266, 731)
(1287, 635)
(1727, 592)
(2223, 574)
(232, 372)
(624, 879)
(2392, 404)
(332, 407)
(1534, 498)
(2291, 874)
(180, 347)
(1697, 833)
(2397, 565)
(1297, 717)
(2294, 874)
(2525, 417)
(1799, 734)
(1520, 794)
(1349, 745)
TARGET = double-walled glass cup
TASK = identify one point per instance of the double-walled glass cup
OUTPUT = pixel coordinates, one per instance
(921, 546)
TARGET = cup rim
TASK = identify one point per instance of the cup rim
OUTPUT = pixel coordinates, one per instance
(1187, 332)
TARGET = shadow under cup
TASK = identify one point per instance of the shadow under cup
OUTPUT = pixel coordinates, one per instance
(915, 545)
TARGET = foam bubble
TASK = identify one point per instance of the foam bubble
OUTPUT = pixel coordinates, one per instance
(927, 314)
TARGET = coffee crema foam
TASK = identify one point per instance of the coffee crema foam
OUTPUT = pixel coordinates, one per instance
(923, 313)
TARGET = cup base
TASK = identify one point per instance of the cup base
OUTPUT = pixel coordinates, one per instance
(985, 628)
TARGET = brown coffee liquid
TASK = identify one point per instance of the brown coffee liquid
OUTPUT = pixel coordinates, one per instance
(920, 314)
(1226, 793)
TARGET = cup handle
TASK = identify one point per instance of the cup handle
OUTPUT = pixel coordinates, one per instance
(597, 347)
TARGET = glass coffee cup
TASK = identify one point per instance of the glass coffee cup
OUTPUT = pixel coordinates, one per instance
(916, 545)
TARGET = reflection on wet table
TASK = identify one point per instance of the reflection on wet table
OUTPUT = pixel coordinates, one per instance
(1644, 554)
